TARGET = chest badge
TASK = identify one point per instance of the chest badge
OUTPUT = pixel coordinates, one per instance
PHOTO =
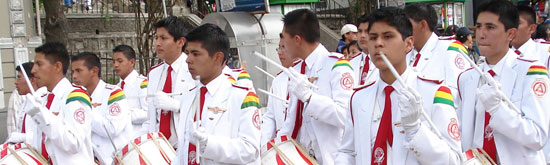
(216, 110)
(96, 105)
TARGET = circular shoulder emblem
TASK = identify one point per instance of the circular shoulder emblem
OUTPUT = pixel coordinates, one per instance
(346, 81)
(453, 129)
(80, 115)
(539, 88)
(459, 62)
(114, 110)
(256, 119)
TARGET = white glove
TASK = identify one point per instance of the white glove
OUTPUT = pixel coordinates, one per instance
(16, 137)
(199, 134)
(298, 85)
(34, 105)
(490, 97)
(410, 106)
(165, 102)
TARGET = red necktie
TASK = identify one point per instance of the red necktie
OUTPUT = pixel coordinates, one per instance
(417, 58)
(166, 115)
(193, 148)
(385, 134)
(365, 71)
(122, 85)
(517, 52)
(488, 136)
(299, 108)
(44, 151)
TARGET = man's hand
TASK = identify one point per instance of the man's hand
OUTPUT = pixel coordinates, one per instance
(410, 106)
(16, 137)
(490, 97)
(165, 102)
(298, 85)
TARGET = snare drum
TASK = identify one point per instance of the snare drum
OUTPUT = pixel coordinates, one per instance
(477, 156)
(21, 153)
(146, 149)
(285, 150)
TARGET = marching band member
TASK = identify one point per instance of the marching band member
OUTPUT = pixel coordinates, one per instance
(316, 116)
(168, 77)
(522, 44)
(363, 68)
(385, 125)
(133, 84)
(25, 126)
(62, 116)
(276, 110)
(229, 130)
(432, 58)
(110, 113)
(508, 136)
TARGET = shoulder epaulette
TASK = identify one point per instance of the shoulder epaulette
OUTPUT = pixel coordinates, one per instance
(231, 79)
(364, 86)
(457, 46)
(537, 70)
(430, 80)
(79, 95)
(447, 37)
(526, 60)
(357, 55)
(244, 75)
(237, 70)
(444, 96)
(109, 86)
(144, 83)
(342, 62)
(241, 87)
(78, 86)
(116, 96)
(251, 100)
(156, 66)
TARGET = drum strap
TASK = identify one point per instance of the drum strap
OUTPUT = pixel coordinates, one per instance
(385, 134)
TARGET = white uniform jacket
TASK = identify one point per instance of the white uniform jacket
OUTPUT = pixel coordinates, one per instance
(67, 125)
(358, 63)
(231, 119)
(423, 147)
(273, 119)
(181, 82)
(325, 114)
(30, 125)
(532, 50)
(519, 138)
(112, 114)
(437, 62)
(135, 89)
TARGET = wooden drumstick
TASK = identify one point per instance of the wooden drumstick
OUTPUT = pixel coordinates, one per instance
(140, 154)
(167, 142)
(302, 150)
(160, 148)
(35, 153)
(287, 160)
(17, 156)
(487, 156)
(119, 160)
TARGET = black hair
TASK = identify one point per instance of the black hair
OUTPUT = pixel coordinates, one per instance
(395, 17)
(506, 11)
(90, 60)
(354, 42)
(422, 11)
(54, 52)
(528, 13)
(462, 38)
(451, 30)
(364, 19)
(541, 31)
(28, 67)
(128, 51)
(302, 22)
(174, 25)
(213, 39)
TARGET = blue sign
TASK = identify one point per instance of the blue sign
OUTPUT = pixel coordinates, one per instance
(251, 6)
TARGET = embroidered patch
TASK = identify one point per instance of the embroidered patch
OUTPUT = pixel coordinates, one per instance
(192, 156)
(114, 110)
(488, 132)
(216, 110)
(346, 81)
(459, 62)
(539, 88)
(80, 115)
(453, 129)
(256, 119)
(378, 155)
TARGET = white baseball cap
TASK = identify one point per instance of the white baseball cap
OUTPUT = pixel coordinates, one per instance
(348, 28)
